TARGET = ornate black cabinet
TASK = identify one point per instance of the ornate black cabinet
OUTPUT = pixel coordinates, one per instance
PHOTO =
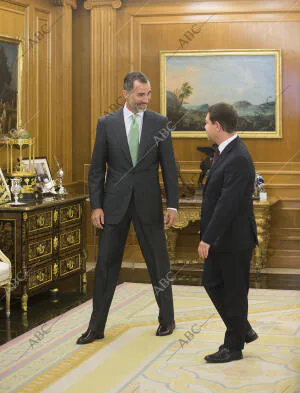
(45, 242)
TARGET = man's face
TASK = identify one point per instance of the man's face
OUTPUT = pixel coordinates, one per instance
(139, 97)
(211, 129)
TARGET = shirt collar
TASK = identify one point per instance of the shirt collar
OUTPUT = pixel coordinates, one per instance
(128, 114)
(222, 145)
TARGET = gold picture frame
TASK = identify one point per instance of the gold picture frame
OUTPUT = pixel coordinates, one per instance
(41, 167)
(14, 57)
(233, 76)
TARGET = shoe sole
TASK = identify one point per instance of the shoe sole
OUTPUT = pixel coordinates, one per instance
(97, 338)
(223, 361)
(164, 335)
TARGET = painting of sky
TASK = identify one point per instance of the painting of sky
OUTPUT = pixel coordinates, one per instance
(223, 78)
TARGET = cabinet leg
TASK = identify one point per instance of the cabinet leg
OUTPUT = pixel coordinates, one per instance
(7, 292)
(83, 283)
(24, 300)
(258, 260)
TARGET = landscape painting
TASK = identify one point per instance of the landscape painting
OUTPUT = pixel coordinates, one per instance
(10, 63)
(248, 80)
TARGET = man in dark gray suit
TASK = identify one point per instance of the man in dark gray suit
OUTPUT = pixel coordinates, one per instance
(130, 144)
(228, 231)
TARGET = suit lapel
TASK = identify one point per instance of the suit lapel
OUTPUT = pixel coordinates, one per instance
(122, 136)
(222, 157)
(146, 136)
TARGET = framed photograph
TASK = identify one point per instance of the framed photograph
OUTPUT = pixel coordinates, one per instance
(5, 195)
(43, 175)
(250, 80)
(11, 64)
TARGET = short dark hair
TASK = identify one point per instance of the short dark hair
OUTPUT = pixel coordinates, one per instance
(225, 114)
(131, 77)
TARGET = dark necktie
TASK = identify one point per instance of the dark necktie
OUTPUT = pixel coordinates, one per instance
(215, 156)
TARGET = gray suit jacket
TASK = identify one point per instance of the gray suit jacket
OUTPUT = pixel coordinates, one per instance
(111, 156)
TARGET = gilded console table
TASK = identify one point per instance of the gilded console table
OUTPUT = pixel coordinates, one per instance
(45, 242)
(190, 211)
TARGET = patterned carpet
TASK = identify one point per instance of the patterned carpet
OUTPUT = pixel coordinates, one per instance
(132, 359)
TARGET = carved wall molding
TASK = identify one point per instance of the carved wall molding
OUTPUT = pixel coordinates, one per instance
(63, 3)
(103, 41)
(180, 9)
(90, 4)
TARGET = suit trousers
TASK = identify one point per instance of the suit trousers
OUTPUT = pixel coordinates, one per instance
(112, 241)
(226, 281)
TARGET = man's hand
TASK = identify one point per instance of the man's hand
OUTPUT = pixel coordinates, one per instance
(203, 249)
(170, 217)
(97, 218)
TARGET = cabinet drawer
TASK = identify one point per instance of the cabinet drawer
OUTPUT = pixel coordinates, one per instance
(69, 265)
(70, 214)
(70, 239)
(40, 222)
(39, 249)
(40, 276)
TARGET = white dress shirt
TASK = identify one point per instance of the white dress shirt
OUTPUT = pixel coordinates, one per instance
(128, 116)
(222, 145)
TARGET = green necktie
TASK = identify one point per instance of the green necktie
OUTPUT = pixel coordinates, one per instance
(134, 139)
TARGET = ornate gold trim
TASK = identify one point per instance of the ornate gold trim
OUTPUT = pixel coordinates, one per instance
(15, 242)
(189, 213)
(90, 4)
(55, 216)
(41, 278)
(21, 45)
(55, 242)
(71, 210)
(63, 3)
(277, 133)
(40, 249)
(41, 221)
(72, 264)
(70, 238)
(24, 299)
(55, 269)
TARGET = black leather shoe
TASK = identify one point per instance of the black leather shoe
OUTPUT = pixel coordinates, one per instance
(251, 335)
(165, 330)
(89, 336)
(224, 355)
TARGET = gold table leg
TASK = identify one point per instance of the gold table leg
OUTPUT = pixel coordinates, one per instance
(171, 239)
(83, 283)
(24, 300)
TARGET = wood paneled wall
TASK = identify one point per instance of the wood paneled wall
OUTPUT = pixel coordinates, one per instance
(81, 93)
(71, 76)
(75, 71)
(146, 28)
(46, 94)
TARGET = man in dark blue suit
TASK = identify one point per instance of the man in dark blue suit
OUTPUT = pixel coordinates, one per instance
(228, 231)
(130, 145)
